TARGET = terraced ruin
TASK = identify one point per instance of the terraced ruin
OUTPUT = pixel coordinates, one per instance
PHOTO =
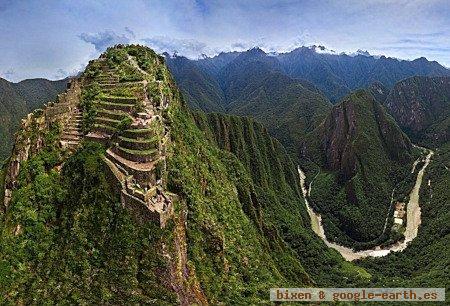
(119, 114)
(120, 101)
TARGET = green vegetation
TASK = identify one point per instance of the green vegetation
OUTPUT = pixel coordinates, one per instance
(139, 152)
(270, 196)
(247, 228)
(363, 156)
(106, 127)
(69, 231)
(87, 103)
(424, 263)
(124, 124)
(231, 257)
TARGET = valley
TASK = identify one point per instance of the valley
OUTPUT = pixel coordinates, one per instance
(227, 153)
(209, 207)
(412, 225)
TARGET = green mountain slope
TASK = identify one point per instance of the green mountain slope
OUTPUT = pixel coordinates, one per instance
(66, 227)
(363, 155)
(284, 106)
(199, 88)
(276, 199)
(253, 84)
(18, 99)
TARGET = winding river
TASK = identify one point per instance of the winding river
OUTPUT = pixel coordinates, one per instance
(412, 225)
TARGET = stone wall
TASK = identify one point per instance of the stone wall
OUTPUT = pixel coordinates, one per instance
(30, 137)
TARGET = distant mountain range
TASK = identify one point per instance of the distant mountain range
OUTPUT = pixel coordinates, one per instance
(334, 74)
(291, 93)
(17, 100)
(360, 147)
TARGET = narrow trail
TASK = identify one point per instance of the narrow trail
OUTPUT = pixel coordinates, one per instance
(412, 225)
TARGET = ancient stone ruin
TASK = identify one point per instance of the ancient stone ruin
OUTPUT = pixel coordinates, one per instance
(119, 114)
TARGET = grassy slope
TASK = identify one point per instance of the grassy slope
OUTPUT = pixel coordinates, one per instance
(288, 109)
(200, 89)
(74, 234)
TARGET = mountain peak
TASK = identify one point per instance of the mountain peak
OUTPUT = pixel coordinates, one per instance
(255, 51)
(363, 52)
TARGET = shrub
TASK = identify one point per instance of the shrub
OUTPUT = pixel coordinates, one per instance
(124, 124)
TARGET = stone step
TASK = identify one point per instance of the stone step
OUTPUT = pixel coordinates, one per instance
(128, 108)
(142, 156)
(71, 144)
(116, 115)
(98, 137)
(138, 144)
(119, 100)
(143, 173)
(72, 132)
(107, 121)
(138, 133)
(75, 122)
(70, 137)
(103, 129)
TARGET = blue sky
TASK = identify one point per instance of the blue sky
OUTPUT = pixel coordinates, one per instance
(53, 39)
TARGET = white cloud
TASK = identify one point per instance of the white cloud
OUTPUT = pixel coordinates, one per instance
(187, 47)
(105, 39)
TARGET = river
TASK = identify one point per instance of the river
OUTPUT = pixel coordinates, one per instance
(412, 225)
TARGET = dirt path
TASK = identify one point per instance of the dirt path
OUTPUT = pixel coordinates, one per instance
(412, 226)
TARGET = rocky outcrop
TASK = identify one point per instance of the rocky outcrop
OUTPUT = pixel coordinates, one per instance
(119, 104)
(341, 128)
(379, 91)
(129, 121)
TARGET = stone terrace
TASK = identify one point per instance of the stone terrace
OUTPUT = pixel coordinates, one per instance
(131, 126)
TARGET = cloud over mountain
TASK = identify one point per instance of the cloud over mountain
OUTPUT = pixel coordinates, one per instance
(102, 40)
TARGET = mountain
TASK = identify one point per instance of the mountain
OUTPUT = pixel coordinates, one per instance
(200, 89)
(253, 84)
(337, 74)
(18, 99)
(362, 154)
(421, 106)
(36, 92)
(118, 194)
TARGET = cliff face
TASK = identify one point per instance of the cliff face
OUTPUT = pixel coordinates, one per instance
(344, 133)
(421, 106)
